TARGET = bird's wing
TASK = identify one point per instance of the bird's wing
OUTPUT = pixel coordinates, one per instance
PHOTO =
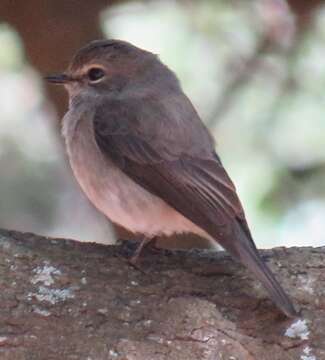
(174, 159)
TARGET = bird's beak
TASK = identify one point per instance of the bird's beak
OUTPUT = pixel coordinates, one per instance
(58, 79)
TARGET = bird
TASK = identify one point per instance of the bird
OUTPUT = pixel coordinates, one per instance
(143, 156)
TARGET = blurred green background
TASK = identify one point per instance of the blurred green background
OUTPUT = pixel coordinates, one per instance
(255, 70)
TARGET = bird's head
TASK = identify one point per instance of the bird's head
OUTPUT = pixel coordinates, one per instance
(112, 66)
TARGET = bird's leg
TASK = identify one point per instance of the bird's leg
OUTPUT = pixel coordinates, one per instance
(143, 244)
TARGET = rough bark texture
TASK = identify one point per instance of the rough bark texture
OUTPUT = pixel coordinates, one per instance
(62, 299)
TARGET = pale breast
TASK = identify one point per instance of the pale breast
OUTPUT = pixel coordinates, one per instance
(115, 194)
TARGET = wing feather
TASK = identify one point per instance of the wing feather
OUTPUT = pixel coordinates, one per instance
(181, 167)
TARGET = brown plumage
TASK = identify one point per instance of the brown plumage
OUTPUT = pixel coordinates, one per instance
(143, 156)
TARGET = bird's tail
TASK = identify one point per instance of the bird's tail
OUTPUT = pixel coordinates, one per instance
(244, 249)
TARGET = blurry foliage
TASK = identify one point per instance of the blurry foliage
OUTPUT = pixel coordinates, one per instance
(256, 73)
(28, 189)
(11, 58)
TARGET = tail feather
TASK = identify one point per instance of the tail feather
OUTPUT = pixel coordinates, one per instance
(244, 249)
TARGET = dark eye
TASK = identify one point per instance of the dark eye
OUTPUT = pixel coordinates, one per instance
(95, 74)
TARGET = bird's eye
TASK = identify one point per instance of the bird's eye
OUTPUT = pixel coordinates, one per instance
(95, 74)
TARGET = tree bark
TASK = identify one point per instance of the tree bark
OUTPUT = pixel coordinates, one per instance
(61, 299)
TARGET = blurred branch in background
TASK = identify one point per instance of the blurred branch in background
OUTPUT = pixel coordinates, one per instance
(254, 69)
(51, 31)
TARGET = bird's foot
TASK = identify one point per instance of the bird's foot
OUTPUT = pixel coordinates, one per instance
(145, 243)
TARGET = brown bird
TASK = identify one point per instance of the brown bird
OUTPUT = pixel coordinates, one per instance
(145, 159)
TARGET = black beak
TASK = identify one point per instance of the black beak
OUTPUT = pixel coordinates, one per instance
(58, 79)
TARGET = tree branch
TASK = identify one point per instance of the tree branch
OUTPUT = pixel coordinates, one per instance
(62, 299)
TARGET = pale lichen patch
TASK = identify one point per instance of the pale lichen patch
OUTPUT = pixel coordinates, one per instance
(44, 274)
(113, 353)
(52, 296)
(307, 284)
(41, 312)
(298, 329)
(307, 354)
